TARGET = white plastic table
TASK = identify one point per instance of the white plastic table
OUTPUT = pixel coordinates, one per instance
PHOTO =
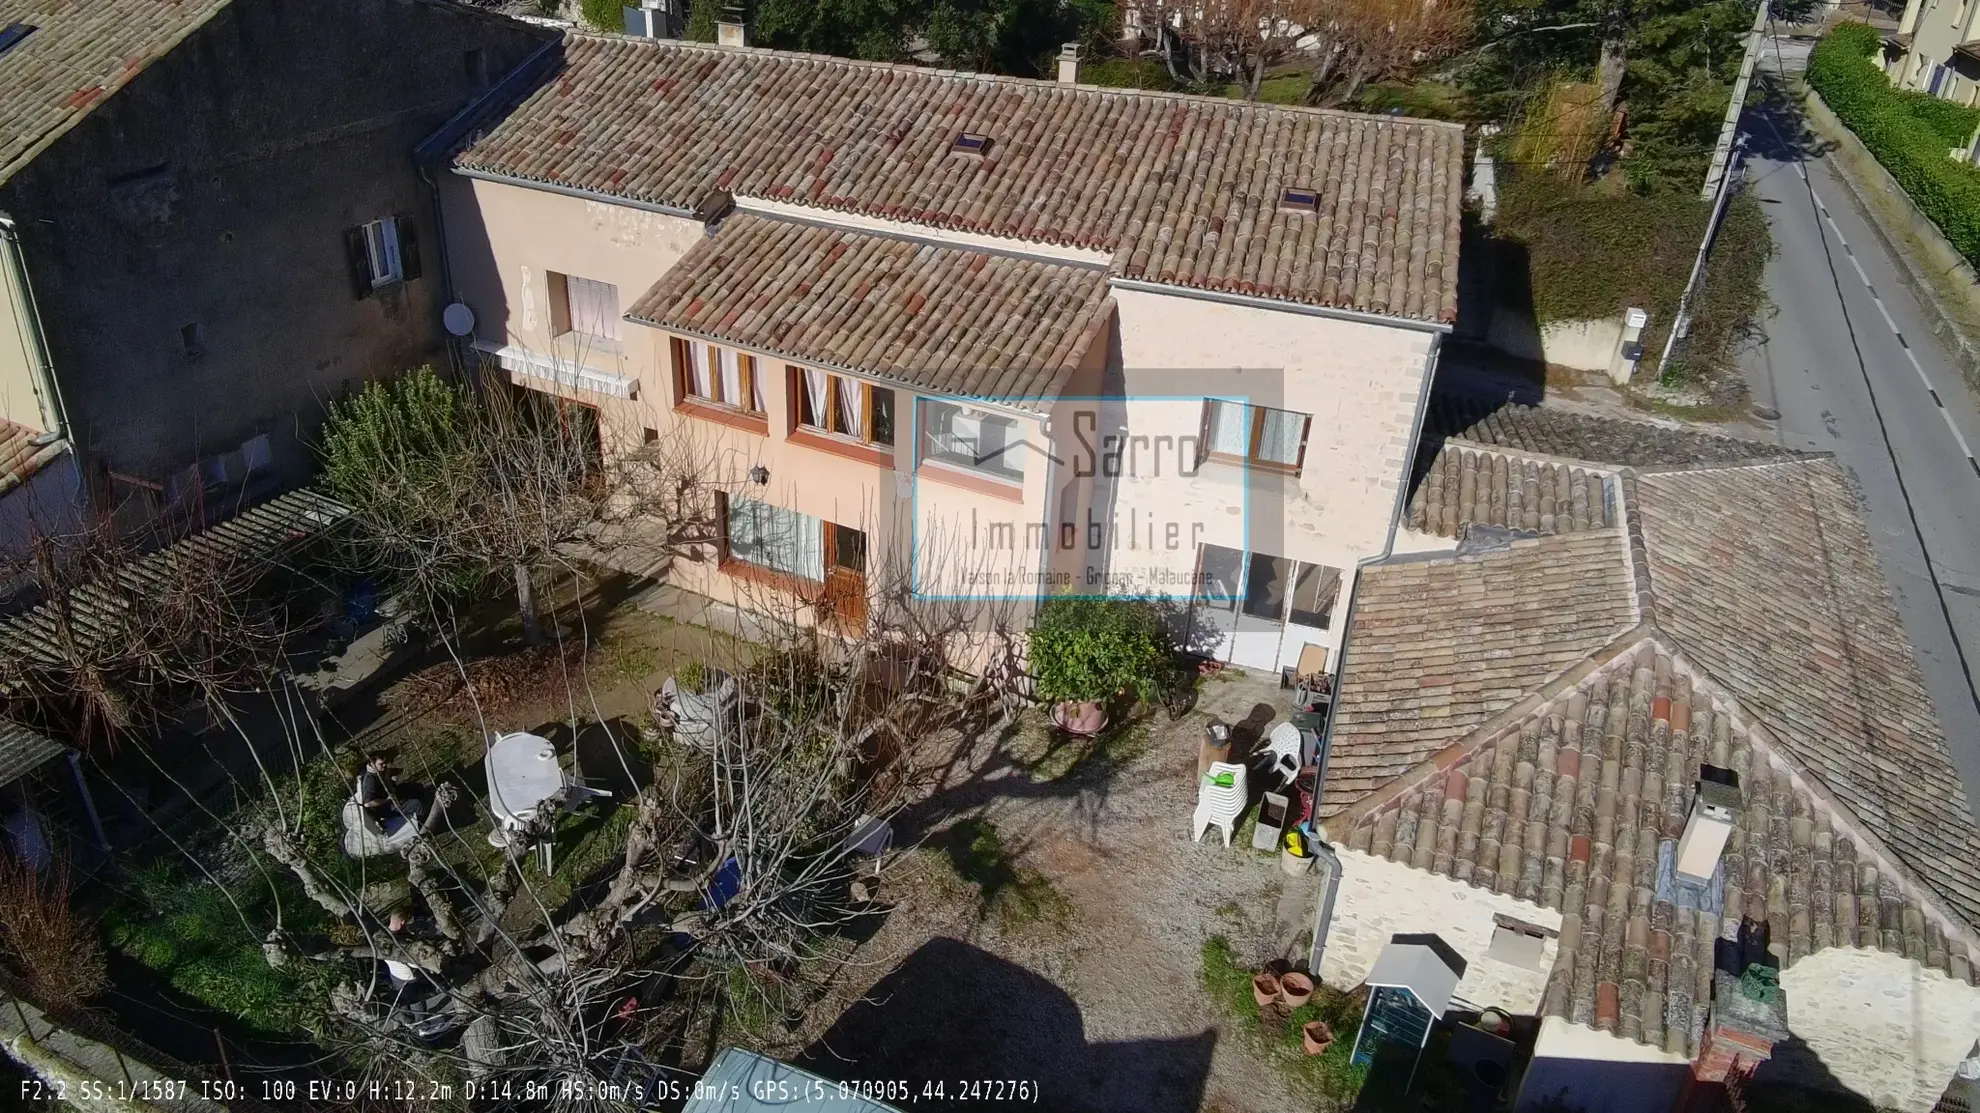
(523, 774)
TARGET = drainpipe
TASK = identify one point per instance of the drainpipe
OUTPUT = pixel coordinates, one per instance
(447, 295)
(54, 415)
(1330, 863)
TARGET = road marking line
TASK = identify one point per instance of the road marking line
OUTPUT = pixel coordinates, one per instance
(1944, 414)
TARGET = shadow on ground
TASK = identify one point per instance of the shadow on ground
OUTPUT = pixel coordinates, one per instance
(952, 1012)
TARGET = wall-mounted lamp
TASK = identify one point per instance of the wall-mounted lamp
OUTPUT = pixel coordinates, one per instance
(759, 475)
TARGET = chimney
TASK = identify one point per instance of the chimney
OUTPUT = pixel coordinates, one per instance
(732, 29)
(1069, 64)
(1715, 804)
(1748, 1017)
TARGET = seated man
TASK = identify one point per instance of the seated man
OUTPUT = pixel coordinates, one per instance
(378, 796)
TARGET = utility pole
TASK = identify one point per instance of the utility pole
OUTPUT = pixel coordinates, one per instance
(1722, 154)
(1681, 324)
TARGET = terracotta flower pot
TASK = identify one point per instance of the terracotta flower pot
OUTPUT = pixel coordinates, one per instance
(1316, 1036)
(1264, 988)
(1295, 989)
(1083, 718)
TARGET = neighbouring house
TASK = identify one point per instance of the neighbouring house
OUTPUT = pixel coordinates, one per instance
(1636, 707)
(213, 223)
(1936, 50)
(899, 312)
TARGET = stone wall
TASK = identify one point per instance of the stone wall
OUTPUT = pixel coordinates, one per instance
(1379, 898)
(1876, 1024)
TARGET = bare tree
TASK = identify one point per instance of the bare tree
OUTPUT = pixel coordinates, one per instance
(454, 485)
(1357, 42)
(1230, 40)
(50, 946)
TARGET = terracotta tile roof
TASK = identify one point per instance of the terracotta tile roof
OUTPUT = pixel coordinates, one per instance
(1598, 440)
(1460, 485)
(1178, 189)
(1579, 807)
(1765, 577)
(939, 318)
(80, 53)
(20, 457)
(1420, 676)
(1770, 646)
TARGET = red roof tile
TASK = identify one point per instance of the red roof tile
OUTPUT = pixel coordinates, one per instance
(1178, 189)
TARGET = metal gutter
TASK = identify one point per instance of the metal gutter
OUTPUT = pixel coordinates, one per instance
(1255, 302)
(431, 148)
(574, 191)
(1323, 908)
(54, 414)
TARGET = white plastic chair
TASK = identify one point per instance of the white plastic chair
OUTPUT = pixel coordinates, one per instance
(1287, 748)
(1219, 804)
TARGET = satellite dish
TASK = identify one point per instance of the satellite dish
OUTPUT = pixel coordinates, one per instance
(458, 318)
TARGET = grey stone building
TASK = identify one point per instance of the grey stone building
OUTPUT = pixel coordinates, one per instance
(214, 224)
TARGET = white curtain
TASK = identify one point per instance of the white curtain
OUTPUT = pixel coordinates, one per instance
(698, 362)
(850, 415)
(773, 537)
(817, 384)
(1230, 428)
(731, 376)
(756, 388)
(1280, 439)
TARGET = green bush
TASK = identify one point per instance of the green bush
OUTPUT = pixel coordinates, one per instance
(1589, 252)
(603, 15)
(1128, 73)
(1090, 649)
(1908, 132)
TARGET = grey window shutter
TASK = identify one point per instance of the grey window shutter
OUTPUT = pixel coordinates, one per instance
(408, 248)
(359, 261)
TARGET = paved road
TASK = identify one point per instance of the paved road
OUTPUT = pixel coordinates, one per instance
(1852, 368)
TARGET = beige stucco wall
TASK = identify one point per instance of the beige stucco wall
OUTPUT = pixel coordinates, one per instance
(1360, 383)
(1882, 1025)
(1379, 898)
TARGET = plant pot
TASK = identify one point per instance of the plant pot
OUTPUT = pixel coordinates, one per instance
(1295, 989)
(1080, 718)
(1294, 865)
(1316, 1036)
(1264, 988)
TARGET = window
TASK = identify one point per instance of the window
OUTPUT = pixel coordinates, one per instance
(971, 143)
(844, 406)
(649, 435)
(584, 307)
(1300, 200)
(1316, 588)
(966, 437)
(718, 376)
(473, 68)
(192, 340)
(381, 253)
(773, 538)
(12, 34)
(1255, 435)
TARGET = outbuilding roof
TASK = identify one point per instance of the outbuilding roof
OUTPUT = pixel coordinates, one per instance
(952, 320)
(1183, 190)
(77, 54)
(1766, 642)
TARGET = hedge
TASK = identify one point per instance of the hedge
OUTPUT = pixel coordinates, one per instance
(1908, 132)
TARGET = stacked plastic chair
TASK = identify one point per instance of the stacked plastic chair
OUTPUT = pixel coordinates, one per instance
(1220, 798)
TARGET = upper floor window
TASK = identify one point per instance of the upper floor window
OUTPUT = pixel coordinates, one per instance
(584, 306)
(380, 253)
(967, 437)
(719, 376)
(843, 406)
(1255, 435)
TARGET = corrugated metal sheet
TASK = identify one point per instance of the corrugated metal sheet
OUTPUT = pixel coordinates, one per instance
(23, 750)
(744, 1082)
(259, 533)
